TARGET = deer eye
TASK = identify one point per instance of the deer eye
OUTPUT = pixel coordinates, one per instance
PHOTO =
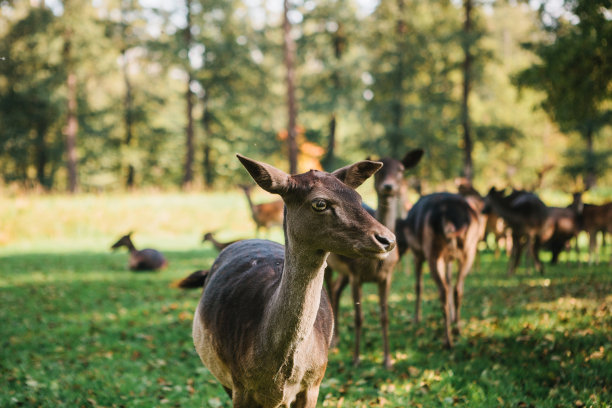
(319, 204)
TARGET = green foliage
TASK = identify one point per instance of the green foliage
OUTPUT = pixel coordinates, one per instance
(387, 77)
(78, 329)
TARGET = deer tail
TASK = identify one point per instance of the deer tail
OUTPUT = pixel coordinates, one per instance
(193, 281)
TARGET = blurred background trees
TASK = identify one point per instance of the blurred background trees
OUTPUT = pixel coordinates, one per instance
(115, 94)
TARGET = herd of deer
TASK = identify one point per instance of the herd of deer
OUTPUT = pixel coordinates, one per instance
(264, 322)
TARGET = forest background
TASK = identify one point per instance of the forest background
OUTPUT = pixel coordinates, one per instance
(109, 95)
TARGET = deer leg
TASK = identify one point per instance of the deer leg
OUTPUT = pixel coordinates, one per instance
(307, 398)
(515, 256)
(464, 270)
(592, 245)
(418, 283)
(383, 295)
(534, 249)
(335, 288)
(437, 270)
(356, 289)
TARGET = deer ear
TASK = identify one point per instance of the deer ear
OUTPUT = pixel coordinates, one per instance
(355, 174)
(267, 177)
(412, 158)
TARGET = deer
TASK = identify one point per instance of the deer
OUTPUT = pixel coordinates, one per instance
(565, 226)
(265, 215)
(141, 260)
(217, 244)
(387, 183)
(264, 324)
(441, 228)
(593, 219)
(490, 222)
(527, 217)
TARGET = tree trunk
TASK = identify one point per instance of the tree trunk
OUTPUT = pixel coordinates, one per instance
(128, 106)
(189, 154)
(41, 157)
(468, 170)
(289, 51)
(72, 126)
(206, 164)
(590, 177)
(398, 107)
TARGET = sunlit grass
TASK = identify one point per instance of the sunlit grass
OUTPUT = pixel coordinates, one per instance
(78, 329)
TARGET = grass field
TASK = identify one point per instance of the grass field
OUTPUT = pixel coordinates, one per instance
(79, 330)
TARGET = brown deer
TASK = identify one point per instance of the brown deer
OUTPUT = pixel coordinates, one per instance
(217, 244)
(264, 324)
(442, 228)
(565, 226)
(527, 216)
(141, 260)
(387, 183)
(593, 219)
(490, 222)
(265, 215)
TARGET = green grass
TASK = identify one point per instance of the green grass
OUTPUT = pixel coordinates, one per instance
(77, 329)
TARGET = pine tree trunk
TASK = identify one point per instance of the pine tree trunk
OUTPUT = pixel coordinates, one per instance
(72, 126)
(289, 50)
(189, 154)
(468, 170)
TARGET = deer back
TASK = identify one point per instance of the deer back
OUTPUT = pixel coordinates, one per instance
(438, 218)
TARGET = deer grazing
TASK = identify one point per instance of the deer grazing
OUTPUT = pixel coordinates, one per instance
(265, 215)
(527, 217)
(264, 324)
(217, 244)
(442, 228)
(387, 184)
(593, 219)
(141, 260)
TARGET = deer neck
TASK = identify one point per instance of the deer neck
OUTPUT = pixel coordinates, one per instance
(291, 314)
(131, 247)
(248, 197)
(386, 212)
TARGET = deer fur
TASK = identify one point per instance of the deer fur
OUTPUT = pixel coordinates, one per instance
(263, 325)
(442, 228)
(387, 183)
(141, 260)
(593, 219)
(265, 215)
(490, 221)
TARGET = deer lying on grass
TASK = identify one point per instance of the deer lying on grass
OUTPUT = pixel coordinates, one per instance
(217, 244)
(442, 228)
(265, 215)
(264, 325)
(526, 215)
(141, 260)
(387, 184)
(593, 219)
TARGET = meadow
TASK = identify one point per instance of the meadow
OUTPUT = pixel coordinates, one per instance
(79, 330)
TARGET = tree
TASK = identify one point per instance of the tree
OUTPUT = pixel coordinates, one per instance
(289, 57)
(575, 75)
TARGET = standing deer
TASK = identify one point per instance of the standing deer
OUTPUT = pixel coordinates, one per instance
(442, 228)
(141, 260)
(264, 324)
(490, 222)
(217, 244)
(265, 215)
(593, 219)
(387, 183)
(526, 215)
(564, 223)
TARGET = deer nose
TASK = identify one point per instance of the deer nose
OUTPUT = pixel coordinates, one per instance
(388, 243)
(387, 188)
